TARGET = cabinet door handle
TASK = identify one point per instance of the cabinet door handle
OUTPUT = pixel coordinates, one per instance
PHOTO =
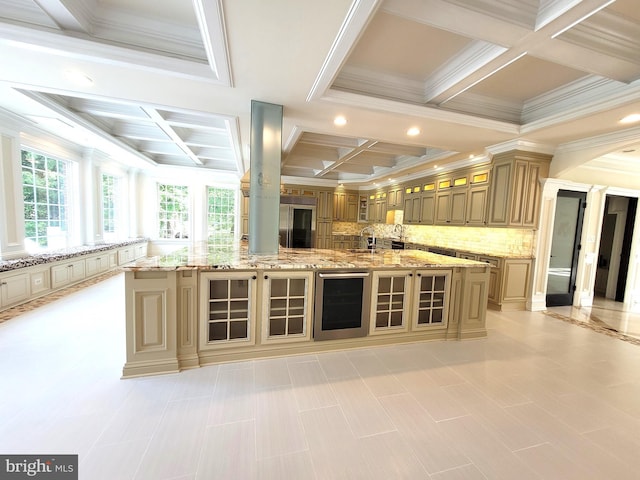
(3, 283)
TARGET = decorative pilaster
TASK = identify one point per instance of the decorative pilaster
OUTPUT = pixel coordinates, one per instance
(11, 198)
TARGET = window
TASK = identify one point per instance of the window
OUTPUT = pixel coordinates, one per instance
(110, 205)
(221, 214)
(173, 211)
(46, 200)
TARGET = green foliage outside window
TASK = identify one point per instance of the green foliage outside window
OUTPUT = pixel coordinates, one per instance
(221, 214)
(44, 186)
(173, 211)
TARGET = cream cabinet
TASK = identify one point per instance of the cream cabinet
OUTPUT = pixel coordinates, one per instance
(412, 201)
(395, 198)
(476, 210)
(126, 255)
(390, 300)
(377, 207)
(227, 309)
(345, 206)
(287, 307)
(509, 283)
(29, 283)
(514, 196)
(362, 208)
(431, 299)
(67, 273)
(324, 206)
(14, 288)
(97, 264)
(450, 206)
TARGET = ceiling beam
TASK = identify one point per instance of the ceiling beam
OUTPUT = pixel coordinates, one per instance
(212, 29)
(162, 124)
(70, 14)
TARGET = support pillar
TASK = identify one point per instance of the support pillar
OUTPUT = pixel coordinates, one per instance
(11, 198)
(264, 198)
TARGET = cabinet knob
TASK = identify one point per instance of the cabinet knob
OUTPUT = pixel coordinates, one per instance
(411, 274)
(419, 274)
(266, 277)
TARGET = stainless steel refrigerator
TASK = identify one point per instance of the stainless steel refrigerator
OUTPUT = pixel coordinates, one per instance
(297, 222)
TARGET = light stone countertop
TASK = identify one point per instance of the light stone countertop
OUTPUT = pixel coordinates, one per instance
(212, 257)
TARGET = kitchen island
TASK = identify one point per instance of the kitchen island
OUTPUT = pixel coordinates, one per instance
(208, 304)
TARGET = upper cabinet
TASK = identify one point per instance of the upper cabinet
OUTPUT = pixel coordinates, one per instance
(514, 196)
(345, 206)
(377, 207)
(451, 199)
(395, 197)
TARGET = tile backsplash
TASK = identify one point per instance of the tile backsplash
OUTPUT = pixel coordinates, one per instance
(496, 241)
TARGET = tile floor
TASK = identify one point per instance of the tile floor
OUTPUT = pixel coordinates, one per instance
(539, 398)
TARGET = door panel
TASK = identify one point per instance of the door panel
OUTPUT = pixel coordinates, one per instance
(565, 245)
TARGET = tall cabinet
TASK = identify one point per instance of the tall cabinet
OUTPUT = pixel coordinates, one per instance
(514, 196)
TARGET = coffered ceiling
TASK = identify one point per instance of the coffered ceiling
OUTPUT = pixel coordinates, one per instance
(171, 82)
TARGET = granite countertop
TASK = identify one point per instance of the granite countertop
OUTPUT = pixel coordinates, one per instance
(63, 254)
(209, 257)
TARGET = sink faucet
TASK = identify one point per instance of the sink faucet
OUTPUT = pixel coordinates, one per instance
(373, 235)
(398, 229)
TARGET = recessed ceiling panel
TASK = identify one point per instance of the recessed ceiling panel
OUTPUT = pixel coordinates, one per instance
(526, 78)
(403, 47)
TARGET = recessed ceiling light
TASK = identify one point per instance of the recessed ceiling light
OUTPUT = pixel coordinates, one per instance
(79, 78)
(339, 121)
(634, 117)
(413, 131)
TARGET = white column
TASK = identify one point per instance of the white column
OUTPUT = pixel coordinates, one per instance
(11, 198)
(90, 200)
(632, 292)
(543, 246)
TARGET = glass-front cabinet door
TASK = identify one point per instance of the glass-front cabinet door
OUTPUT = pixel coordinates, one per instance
(431, 299)
(228, 309)
(389, 301)
(287, 309)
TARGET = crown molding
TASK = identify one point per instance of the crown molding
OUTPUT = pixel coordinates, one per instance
(81, 49)
(608, 33)
(614, 141)
(487, 107)
(370, 82)
(590, 95)
(460, 67)
(520, 144)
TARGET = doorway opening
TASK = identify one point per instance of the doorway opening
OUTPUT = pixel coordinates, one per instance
(615, 247)
(565, 247)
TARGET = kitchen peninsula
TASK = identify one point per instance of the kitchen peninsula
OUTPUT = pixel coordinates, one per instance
(207, 304)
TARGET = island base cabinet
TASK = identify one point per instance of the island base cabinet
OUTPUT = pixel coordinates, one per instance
(151, 325)
(187, 311)
(473, 303)
(181, 319)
